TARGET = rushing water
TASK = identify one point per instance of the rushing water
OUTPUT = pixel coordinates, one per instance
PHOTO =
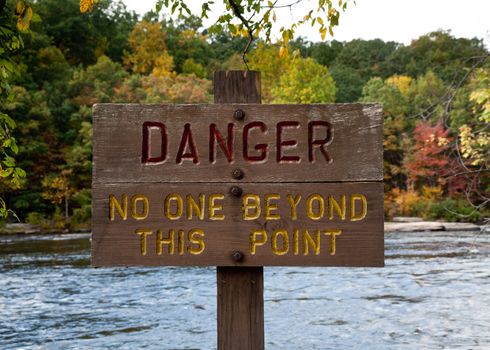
(434, 293)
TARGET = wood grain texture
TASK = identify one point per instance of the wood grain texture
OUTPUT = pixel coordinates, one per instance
(115, 243)
(240, 298)
(240, 308)
(237, 87)
(356, 146)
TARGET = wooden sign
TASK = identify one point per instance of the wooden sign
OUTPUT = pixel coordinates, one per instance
(237, 184)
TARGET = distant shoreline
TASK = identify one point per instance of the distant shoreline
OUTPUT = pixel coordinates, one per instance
(399, 225)
(419, 226)
(28, 229)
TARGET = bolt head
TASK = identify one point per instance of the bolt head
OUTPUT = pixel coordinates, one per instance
(237, 174)
(237, 256)
(236, 191)
(239, 114)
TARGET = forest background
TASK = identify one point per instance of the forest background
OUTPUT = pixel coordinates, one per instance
(435, 93)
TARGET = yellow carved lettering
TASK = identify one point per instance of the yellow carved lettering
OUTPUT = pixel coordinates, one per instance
(143, 233)
(285, 242)
(333, 204)
(196, 236)
(193, 207)
(296, 241)
(332, 235)
(293, 202)
(161, 241)
(134, 207)
(310, 211)
(173, 197)
(269, 207)
(180, 242)
(215, 207)
(353, 199)
(308, 241)
(257, 238)
(247, 206)
(115, 205)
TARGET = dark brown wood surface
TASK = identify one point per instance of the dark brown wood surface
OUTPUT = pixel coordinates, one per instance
(240, 297)
(240, 308)
(115, 243)
(236, 87)
(355, 147)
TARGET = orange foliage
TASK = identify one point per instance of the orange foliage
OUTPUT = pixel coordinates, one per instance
(429, 162)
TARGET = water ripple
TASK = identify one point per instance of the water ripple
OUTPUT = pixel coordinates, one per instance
(433, 293)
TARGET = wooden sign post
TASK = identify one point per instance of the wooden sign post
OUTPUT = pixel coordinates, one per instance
(240, 289)
(238, 185)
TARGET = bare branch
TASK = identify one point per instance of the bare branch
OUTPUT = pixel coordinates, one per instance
(236, 11)
(282, 6)
(468, 173)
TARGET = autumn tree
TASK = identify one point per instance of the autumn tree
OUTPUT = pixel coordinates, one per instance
(148, 52)
(428, 164)
(395, 138)
(58, 189)
(266, 60)
(304, 81)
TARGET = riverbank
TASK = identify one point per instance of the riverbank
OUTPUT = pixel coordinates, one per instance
(399, 224)
(24, 228)
(430, 226)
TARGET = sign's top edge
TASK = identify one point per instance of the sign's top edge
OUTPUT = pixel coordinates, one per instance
(242, 104)
(369, 105)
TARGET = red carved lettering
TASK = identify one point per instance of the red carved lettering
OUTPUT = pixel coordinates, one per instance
(146, 145)
(215, 136)
(187, 142)
(262, 147)
(319, 143)
(286, 144)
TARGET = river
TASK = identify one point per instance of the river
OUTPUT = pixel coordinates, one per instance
(434, 293)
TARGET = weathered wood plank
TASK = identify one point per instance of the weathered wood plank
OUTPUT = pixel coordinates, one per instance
(240, 297)
(116, 243)
(237, 87)
(240, 308)
(354, 144)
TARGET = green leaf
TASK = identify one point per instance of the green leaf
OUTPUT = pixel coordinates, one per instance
(20, 7)
(7, 120)
(174, 7)
(9, 161)
(232, 28)
(20, 172)
(7, 172)
(25, 19)
(36, 18)
(13, 146)
(158, 6)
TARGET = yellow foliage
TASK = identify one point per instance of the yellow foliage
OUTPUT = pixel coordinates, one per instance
(163, 66)
(399, 202)
(481, 95)
(57, 188)
(272, 66)
(474, 146)
(24, 15)
(148, 50)
(432, 193)
(86, 5)
(187, 35)
(401, 82)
